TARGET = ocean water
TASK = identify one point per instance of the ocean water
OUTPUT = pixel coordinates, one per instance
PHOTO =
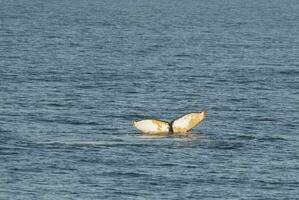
(73, 74)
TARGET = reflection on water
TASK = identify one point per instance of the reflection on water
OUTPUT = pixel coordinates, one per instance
(130, 139)
(173, 136)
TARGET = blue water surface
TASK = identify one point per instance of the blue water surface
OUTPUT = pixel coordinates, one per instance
(74, 73)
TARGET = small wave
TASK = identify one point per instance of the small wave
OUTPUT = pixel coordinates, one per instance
(271, 139)
(182, 55)
(224, 145)
(124, 174)
(246, 137)
(87, 143)
(289, 72)
(91, 144)
(68, 121)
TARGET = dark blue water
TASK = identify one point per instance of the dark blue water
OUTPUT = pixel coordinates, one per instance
(73, 74)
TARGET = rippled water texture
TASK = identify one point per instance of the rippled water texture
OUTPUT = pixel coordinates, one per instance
(73, 74)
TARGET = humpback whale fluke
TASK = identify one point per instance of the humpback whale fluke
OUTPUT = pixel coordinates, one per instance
(181, 124)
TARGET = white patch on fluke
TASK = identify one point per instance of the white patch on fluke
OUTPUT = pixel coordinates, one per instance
(152, 126)
(182, 122)
(187, 122)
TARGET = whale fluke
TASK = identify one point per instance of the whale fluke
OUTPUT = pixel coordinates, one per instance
(181, 124)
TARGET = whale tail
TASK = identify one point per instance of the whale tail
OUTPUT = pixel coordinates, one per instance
(181, 124)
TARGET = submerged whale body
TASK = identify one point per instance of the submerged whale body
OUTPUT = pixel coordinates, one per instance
(181, 124)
